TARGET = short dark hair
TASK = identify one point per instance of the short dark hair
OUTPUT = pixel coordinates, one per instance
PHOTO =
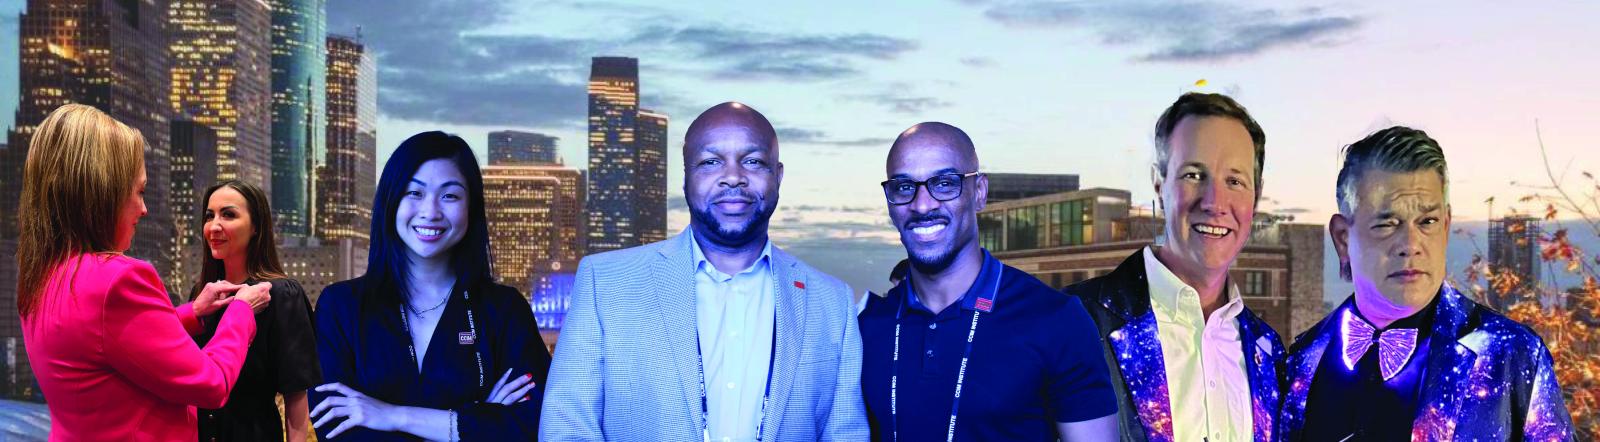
(388, 263)
(1195, 104)
(1395, 149)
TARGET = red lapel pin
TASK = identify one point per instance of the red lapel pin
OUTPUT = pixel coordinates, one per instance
(799, 285)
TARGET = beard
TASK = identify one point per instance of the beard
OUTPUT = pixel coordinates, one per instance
(931, 262)
(737, 233)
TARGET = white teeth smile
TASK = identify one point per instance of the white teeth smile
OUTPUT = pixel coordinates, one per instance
(928, 230)
(424, 231)
(1212, 230)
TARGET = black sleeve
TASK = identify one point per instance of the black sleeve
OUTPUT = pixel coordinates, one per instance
(335, 318)
(517, 345)
(294, 351)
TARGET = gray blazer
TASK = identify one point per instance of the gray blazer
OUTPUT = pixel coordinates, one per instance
(626, 365)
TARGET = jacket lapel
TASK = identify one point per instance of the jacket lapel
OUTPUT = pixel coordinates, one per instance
(1138, 347)
(1260, 359)
(1301, 368)
(789, 334)
(675, 299)
(1449, 368)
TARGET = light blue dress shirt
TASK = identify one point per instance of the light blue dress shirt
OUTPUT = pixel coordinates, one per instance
(735, 316)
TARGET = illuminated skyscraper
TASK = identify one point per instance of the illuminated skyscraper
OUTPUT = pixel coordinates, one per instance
(533, 212)
(650, 178)
(516, 147)
(613, 115)
(194, 168)
(221, 77)
(107, 54)
(298, 73)
(346, 178)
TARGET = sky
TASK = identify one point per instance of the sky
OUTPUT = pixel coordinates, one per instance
(1041, 86)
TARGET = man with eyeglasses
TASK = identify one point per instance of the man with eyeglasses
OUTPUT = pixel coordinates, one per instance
(968, 348)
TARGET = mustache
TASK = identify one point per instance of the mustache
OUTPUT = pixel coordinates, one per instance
(928, 217)
(735, 194)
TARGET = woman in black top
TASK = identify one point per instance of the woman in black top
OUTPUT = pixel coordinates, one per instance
(425, 345)
(282, 359)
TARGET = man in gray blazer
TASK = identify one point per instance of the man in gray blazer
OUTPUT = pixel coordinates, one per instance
(713, 334)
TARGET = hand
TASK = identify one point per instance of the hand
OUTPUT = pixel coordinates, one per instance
(257, 296)
(357, 409)
(510, 393)
(214, 296)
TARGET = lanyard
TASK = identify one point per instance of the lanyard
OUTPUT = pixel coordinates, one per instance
(472, 326)
(984, 303)
(705, 406)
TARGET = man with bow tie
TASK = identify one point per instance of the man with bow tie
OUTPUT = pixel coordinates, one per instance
(1407, 356)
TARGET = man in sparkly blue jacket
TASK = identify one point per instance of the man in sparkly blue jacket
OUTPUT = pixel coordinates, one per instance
(1407, 356)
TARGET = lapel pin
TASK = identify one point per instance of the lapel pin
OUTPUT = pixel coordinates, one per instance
(799, 285)
(466, 338)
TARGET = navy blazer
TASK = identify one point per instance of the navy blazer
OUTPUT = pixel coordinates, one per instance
(1487, 378)
(1119, 302)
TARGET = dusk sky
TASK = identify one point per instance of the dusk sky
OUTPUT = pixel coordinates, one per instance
(1042, 87)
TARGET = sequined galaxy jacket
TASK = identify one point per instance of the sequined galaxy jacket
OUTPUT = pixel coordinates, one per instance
(1495, 383)
(1119, 302)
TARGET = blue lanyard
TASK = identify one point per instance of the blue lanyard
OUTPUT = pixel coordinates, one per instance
(984, 303)
(472, 326)
(705, 406)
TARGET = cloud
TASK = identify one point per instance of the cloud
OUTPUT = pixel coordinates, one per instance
(977, 62)
(817, 137)
(1182, 32)
(736, 54)
(899, 102)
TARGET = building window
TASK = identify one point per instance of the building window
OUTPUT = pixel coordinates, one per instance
(1255, 284)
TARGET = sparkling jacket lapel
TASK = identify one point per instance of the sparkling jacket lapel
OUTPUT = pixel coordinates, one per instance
(1263, 358)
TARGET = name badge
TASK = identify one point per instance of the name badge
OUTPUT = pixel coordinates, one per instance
(466, 338)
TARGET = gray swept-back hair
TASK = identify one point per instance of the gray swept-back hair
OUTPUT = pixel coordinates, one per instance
(1396, 149)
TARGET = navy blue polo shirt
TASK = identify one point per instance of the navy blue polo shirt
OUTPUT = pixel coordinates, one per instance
(1036, 360)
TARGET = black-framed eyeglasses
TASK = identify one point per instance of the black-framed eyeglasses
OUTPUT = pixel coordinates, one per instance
(944, 187)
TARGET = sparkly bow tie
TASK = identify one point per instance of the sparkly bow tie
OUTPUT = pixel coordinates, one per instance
(1394, 345)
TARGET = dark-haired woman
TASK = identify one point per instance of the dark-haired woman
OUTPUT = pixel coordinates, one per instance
(283, 360)
(425, 344)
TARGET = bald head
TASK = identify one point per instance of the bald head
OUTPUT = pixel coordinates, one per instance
(935, 135)
(730, 121)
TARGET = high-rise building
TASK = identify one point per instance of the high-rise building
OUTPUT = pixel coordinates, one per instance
(650, 177)
(516, 147)
(613, 211)
(111, 55)
(222, 78)
(194, 168)
(1068, 237)
(347, 177)
(1514, 247)
(298, 34)
(317, 264)
(1012, 186)
(534, 212)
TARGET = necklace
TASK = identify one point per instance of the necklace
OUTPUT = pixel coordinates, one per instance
(429, 309)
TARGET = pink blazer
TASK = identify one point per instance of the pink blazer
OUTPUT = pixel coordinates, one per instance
(116, 361)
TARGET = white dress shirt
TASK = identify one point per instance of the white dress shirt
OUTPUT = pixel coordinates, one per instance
(735, 316)
(1204, 358)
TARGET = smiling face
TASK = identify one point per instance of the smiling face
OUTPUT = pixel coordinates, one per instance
(228, 226)
(934, 232)
(432, 215)
(1395, 238)
(132, 210)
(1207, 195)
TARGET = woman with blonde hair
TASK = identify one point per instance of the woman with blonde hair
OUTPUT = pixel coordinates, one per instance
(114, 359)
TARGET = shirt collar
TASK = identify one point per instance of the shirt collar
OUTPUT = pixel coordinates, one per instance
(703, 265)
(1165, 287)
(991, 270)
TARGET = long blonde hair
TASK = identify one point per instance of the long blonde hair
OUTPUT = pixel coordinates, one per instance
(80, 170)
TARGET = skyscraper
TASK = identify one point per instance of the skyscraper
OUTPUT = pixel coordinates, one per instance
(613, 119)
(533, 212)
(298, 75)
(194, 168)
(346, 178)
(1514, 247)
(650, 177)
(222, 78)
(627, 160)
(107, 54)
(516, 147)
